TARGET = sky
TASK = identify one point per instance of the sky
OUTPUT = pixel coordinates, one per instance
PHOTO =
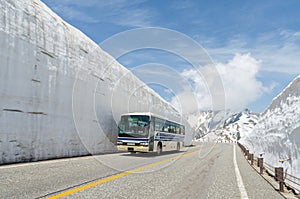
(253, 45)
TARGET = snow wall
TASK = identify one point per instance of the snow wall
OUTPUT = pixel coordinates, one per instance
(60, 94)
(277, 133)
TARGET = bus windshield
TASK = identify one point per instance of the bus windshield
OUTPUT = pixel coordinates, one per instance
(134, 126)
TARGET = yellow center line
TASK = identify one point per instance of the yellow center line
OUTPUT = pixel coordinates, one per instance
(71, 191)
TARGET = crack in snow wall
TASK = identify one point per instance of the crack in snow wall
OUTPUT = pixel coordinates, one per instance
(61, 95)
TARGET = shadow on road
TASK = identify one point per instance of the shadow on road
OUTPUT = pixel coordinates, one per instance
(151, 154)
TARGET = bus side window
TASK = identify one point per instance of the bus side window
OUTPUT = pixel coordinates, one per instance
(183, 130)
(177, 130)
(159, 124)
(167, 127)
(172, 128)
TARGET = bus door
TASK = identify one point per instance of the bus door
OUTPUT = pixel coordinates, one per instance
(151, 134)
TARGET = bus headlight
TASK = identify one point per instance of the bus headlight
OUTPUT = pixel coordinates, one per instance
(144, 144)
(119, 142)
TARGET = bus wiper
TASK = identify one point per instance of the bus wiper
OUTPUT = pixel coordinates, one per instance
(125, 135)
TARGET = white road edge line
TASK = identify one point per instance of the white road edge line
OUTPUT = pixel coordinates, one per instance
(239, 179)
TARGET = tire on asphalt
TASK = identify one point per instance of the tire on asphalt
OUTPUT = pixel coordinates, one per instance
(159, 149)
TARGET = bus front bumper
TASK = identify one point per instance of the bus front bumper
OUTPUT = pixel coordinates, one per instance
(133, 148)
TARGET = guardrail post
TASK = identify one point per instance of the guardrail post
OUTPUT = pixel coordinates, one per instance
(251, 158)
(247, 153)
(279, 177)
(260, 163)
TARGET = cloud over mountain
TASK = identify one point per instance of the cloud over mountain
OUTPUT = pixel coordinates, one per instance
(240, 83)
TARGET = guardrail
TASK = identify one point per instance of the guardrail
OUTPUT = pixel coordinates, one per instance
(283, 178)
(293, 180)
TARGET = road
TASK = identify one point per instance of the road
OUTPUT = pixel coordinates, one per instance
(208, 170)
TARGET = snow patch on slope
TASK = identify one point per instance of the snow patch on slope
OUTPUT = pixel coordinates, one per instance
(225, 126)
(240, 125)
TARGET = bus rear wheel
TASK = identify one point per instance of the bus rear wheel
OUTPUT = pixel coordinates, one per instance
(159, 148)
(178, 146)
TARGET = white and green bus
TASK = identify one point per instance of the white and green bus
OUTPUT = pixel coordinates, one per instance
(147, 132)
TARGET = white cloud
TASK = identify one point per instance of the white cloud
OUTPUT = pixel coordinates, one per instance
(72, 13)
(278, 51)
(134, 18)
(240, 84)
(187, 101)
(119, 12)
(180, 5)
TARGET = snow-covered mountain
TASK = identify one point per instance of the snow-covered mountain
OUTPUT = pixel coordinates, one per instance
(200, 123)
(204, 122)
(277, 133)
(239, 125)
(225, 125)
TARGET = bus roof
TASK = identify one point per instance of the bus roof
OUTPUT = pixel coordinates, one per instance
(150, 114)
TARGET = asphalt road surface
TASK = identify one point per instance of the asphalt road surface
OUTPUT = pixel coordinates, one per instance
(208, 170)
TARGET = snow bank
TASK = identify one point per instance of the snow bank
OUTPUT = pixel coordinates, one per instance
(277, 133)
(61, 95)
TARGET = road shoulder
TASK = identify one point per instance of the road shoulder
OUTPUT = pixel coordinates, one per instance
(256, 186)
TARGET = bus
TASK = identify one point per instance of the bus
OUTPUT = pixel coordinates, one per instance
(147, 132)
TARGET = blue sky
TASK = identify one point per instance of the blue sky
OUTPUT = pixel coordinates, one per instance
(255, 44)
